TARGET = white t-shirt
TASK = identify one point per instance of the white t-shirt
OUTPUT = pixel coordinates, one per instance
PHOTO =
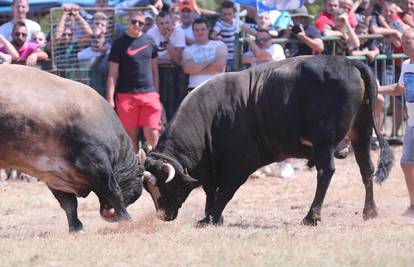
(201, 53)
(177, 40)
(189, 33)
(407, 81)
(87, 56)
(276, 50)
(7, 28)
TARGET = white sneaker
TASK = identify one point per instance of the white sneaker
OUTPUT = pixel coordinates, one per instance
(287, 171)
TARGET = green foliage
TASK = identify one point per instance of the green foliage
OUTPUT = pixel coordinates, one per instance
(208, 4)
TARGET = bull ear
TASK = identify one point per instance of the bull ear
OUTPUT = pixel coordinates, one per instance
(190, 180)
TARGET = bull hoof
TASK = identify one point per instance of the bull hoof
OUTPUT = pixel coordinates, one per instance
(209, 220)
(77, 230)
(370, 213)
(311, 220)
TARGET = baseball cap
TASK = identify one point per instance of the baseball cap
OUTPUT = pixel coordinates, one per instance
(183, 4)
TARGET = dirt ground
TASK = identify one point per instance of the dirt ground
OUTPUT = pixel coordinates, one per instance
(262, 227)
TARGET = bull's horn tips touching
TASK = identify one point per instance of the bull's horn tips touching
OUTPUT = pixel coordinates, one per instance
(149, 177)
(171, 171)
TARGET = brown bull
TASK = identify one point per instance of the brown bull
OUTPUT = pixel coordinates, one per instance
(66, 135)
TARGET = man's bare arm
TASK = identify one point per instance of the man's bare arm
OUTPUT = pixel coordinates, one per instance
(111, 82)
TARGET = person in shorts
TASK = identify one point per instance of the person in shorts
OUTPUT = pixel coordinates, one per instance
(405, 86)
(133, 75)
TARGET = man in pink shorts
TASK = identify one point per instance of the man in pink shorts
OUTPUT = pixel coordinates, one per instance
(133, 75)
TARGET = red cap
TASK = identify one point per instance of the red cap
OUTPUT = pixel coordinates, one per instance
(183, 4)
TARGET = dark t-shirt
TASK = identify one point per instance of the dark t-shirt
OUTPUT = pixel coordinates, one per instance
(134, 58)
(299, 49)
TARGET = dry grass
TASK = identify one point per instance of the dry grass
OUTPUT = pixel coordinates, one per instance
(262, 228)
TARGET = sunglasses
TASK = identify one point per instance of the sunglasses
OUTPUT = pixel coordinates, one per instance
(18, 34)
(135, 21)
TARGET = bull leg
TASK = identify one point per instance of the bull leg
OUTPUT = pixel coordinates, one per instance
(360, 137)
(325, 166)
(69, 204)
(223, 195)
(210, 200)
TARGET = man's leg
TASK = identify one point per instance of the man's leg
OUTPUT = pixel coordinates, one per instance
(407, 165)
(127, 108)
(151, 136)
(408, 169)
(133, 134)
(150, 117)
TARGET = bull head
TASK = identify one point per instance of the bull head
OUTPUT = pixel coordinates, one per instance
(168, 185)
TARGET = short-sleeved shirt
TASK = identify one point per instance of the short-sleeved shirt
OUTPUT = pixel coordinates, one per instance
(134, 58)
(326, 18)
(25, 51)
(299, 49)
(198, 54)
(406, 80)
(177, 40)
(7, 28)
(227, 32)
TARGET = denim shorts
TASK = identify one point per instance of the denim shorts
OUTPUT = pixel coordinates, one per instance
(408, 146)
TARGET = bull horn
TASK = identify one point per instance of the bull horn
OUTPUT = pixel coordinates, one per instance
(149, 177)
(171, 171)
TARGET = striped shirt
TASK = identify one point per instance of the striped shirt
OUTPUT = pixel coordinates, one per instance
(227, 32)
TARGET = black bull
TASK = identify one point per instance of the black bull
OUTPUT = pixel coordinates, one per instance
(237, 122)
(66, 135)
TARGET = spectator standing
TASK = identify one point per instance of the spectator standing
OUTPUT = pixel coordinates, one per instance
(326, 16)
(27, 52)
(133, 75)
(170, 41)
(407, 15)
(66, 46)
(39, 37)
(262, 50)
(95, 57)
(205, 58)
(308, 35)
(225, 30)
(368, 48)
(405, 86)
(20, 9)
(348, 7)
(188, 15)
(389, 24)
(149, 21)
(349, 40)
(361, 12)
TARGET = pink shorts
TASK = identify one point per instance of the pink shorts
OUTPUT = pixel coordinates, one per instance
(142, 110)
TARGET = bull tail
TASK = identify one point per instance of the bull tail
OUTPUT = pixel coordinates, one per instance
(370, 95)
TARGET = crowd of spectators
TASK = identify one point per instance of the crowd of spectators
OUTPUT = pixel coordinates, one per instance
(188, 49)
